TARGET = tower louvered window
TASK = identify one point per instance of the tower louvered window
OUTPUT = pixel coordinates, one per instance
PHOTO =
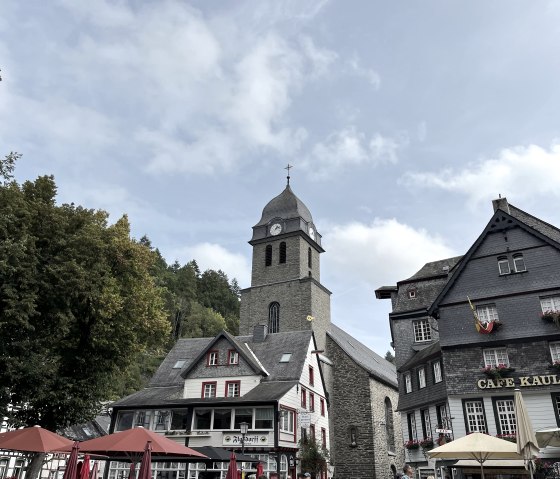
(282, 258)
(268, 255)
(309, 262)
(274, 318)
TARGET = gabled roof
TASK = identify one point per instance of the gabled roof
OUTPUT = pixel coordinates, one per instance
(167, 384)
(502, 220)
(422, 356)
(249, 358)
(369, 360)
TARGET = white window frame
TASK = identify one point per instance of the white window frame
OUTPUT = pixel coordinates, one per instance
(287, 421)
(474, 414)
(555, 351)
(495, 356)
(213, 358)
(412, 425)
(437, 372)
(233, 357)
(487, 313)
(502, 263)
(422, 377)
(427, 423)
(209, 388)
(233, 387)
(519, 263)
(550, 303)
(407, 382)
(505, 416)
(422, 330)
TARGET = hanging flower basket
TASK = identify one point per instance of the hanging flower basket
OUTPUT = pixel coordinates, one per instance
(507, 437)
(443, 439)
(413, 444)
(556, 365)
(497, 372)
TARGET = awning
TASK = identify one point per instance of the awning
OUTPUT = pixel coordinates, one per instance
(221, 454)
(491, 463)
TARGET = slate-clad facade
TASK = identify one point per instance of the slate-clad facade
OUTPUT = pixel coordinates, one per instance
(511, 275)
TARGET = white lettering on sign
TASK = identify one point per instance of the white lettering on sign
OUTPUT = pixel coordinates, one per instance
(524, 381)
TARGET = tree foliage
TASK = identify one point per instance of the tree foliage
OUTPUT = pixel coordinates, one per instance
(77, 303)
(390, 357)
(313, 457)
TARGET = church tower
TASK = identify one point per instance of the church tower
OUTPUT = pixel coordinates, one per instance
(286, 293)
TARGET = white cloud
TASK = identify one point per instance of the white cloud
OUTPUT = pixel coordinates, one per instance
(520, 172)
(214, 256)
(368, 73)
(382, 252)
(351, 147)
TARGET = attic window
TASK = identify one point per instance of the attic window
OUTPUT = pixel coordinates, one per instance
(179, 364)
(412, 293)
(286, 358)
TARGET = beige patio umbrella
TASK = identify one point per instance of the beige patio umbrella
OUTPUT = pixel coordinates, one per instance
(477, 446)
(548, 437)
(526, 439)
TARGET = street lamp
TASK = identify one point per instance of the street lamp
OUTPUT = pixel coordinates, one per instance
(243, 428)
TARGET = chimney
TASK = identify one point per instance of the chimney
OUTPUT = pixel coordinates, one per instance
(259, 333)
(501, 204)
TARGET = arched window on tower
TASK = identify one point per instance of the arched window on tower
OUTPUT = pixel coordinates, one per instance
(268, 255)
(309, 258)
(282, 258)
(274, 317)
(389, 429)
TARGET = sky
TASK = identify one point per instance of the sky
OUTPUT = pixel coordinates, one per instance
(403, 120)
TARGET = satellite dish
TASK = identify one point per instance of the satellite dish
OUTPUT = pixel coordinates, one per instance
(310, 318)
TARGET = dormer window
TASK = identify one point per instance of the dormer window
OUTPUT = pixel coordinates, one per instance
(233, 357)
(519, 263)
(503, 265)
(212, 358)
(412, 293)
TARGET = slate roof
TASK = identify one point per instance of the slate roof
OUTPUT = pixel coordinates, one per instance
(422, 356)
(286, 205)
(374, 364)
(541, 226)
(167, 384)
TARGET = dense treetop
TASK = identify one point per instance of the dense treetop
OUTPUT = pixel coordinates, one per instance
(86, 311)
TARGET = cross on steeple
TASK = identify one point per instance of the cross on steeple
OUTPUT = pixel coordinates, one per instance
(288, 168)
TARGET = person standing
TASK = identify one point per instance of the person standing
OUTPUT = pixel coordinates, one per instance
(408, 471)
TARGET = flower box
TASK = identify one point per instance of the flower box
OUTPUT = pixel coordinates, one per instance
(427, 443)
(551, 317)
(556, 365)
(413, 444)
(507, 437)
(497, 372)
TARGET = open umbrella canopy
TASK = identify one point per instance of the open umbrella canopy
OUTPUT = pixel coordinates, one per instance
(232, 468)
(146, 464)
(85, 469)
(548, 437)
(33, 439)
(133, 442)
(72, 463)
(477, 446)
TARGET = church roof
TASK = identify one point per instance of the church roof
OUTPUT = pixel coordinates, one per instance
(286, 205)
(377, 366)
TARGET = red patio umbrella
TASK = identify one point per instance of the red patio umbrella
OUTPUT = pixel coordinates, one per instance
(133, 442)
(72, 463)
(146, 464)
(132, 471)
(232, 468)
(260, 469)
(33, 439)
(93, 474)
(84, 471)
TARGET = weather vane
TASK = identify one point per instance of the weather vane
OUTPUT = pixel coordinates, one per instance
(288, 168)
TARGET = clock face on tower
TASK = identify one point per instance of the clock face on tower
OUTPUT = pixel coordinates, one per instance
(275, 229)
(312, 233)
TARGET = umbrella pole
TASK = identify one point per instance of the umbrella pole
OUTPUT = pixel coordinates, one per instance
(481, 469)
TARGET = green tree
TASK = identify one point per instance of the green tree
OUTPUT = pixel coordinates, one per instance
(77, 304)
(216, 292)
(313, 457)
(202, 322)
(389, 357)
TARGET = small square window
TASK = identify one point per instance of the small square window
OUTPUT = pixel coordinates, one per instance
(179, 364)
(550, 303)
(286, 358)
(422, 331)
(519, 263)
(233, 389)
(496, 356)
(412, 293)
(487, 313)
(503, 266)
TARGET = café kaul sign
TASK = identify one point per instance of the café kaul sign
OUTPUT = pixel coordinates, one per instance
(523, 381)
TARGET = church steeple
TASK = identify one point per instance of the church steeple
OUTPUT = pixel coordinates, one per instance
(285, 290)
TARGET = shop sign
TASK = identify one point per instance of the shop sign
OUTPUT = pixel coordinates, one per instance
(523, 381)
(250, 440)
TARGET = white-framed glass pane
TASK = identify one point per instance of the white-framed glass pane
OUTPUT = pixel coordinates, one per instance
(287, 421)
(233, 357)
(408, 382)
(555, 351)
(437, 372)
(503, 266)
(209, 390)
(519, 263)
(232, 390)
(494, 357)
(550, 303)
(264, 418)
(422, 331)
(487, 313)
(506, 416)
(475, 416)
(422, 378)
(162, 420)
(427, 423)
